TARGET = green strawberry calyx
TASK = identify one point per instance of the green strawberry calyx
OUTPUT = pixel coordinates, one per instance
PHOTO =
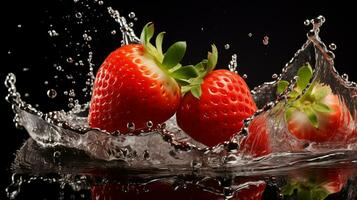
(309, 190)
(203, 68)
(168, 61)
(311, 102)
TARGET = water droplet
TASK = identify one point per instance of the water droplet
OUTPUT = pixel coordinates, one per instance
(78, 15)
(53, 33)
(307, 22)
(25, 69)
(345, 77)
(130, 126)
(75, 1)
(227, 46)
(87, 37)
(131, 15)
(149, 124)
(69, 60)
(72, 93)
(51, 93)
(131, 24)
(135, 19)
(46, 82)
(59, 68)
(244, 76)
(100, 2)
(113, 32)
(274, 76)
(27, 95)
(332, 46)
(19, 26)
(266, 40)
(250, 34)
(9, 52)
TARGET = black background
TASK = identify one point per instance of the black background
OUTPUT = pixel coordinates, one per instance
(222, 21)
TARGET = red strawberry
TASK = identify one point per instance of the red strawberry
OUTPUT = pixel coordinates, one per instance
(315, 184)
(318, 115)
(137, 84)
(218, 103)
(257, 142)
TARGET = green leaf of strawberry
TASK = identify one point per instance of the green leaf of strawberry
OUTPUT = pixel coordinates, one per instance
(174, 55)
(304, 76)
(282, 86)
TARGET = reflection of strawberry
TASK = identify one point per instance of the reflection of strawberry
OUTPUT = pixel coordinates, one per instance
(218, 103)
(257, 142)
(137, 83)
(315, 184)
(318, 114)
(162, 190)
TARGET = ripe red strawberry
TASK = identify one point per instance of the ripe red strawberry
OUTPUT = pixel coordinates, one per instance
(317, 116)
(218, 103)
(315, 184)
(137, 83)
(257, 142)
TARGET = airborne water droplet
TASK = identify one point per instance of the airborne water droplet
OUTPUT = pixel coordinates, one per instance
(131, 15)
(227, 46)
(250, 34)
(87, 37)
(78, 15)
(69, 60)
(274, 76)
(100, 2)
(332, 46)
(51, 93)
(244, 76)
(266, 40)
(113, 32)
(307, 22)
(130, 24)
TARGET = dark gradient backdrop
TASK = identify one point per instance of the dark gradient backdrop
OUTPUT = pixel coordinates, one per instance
(200, 23)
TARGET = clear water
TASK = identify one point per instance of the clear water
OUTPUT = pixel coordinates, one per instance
(64, 151)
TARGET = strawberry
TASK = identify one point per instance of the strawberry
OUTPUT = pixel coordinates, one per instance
(216, 105)
(315, 184)
(256, 143)
(138, 83)
(318, 115)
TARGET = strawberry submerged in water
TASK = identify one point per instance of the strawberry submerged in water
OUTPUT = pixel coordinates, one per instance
(215, 105)
(138, 83)
(318, 115)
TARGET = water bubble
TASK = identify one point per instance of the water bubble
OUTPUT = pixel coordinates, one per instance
(130, 126)
(78, 15)
(113, 32)
(131, 15)
(227, 46)
(69, 60)
(332, 46)
(266, 40)
(51, 93)
(53, 33)
(250, 34)
(307, 22)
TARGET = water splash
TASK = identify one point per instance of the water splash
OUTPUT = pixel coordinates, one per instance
(166, 146)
